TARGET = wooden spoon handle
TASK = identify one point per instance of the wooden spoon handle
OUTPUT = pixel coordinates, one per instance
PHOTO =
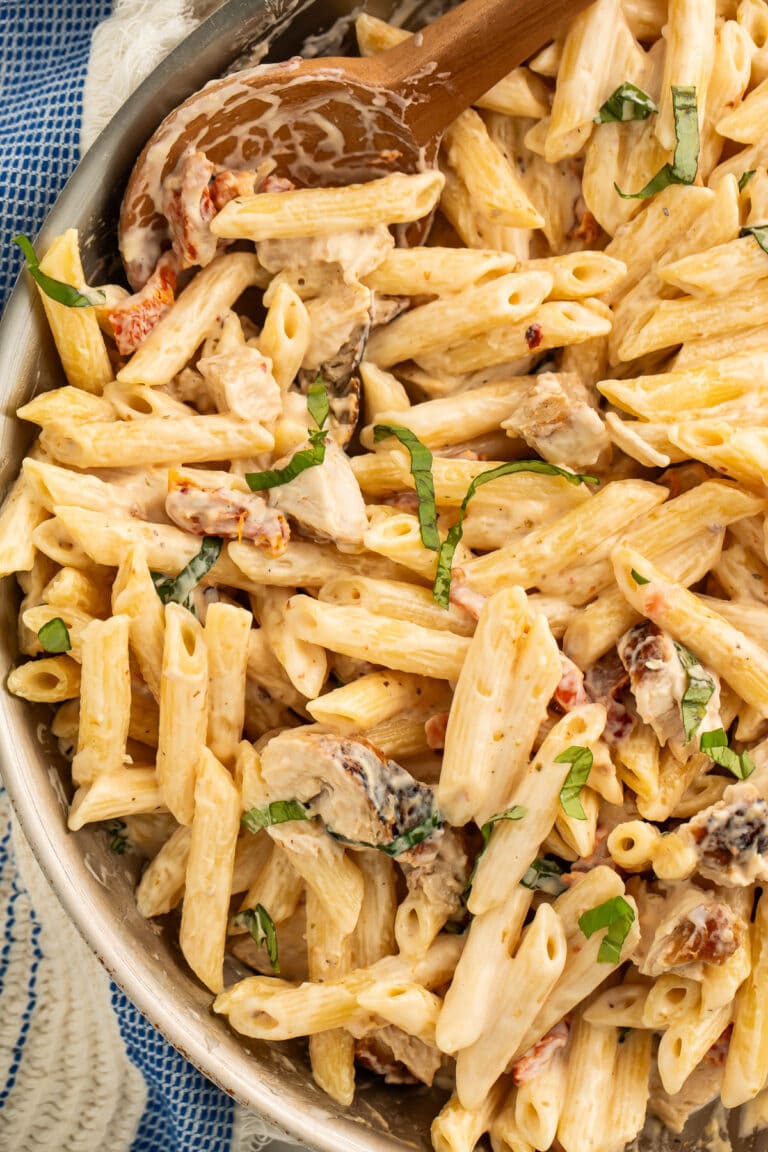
(443, 69)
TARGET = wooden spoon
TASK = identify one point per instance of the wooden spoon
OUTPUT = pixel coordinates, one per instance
(333, 121)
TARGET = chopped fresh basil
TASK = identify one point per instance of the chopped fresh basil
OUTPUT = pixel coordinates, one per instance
(638, 579)
(515, 813)
(760, 233)
(118, 836)
(319, 410)
(580, 760)
(177, 589)
(745, 178)
(698, 692)
(278, 812)
(715, 744)
(618, 917)
(55, 289)
(441, 590)
(402, 842)
(544, 876)
(54, 636)
(421, 470)
(262, 928)
(685, 164)
(628, 102)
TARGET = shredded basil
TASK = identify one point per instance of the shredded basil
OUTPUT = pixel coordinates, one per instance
(421, 470)
(278, 812)
(543, 875)
(618, 917)
(580, 760)
(698, 692)
(402, 842)
(760, 233)
(628, 102)
(319, 410)
(262, 928)
(515, 813)
(715, 744)
(441, 590)
(55, 289)
(638, 579)
(685, 165)
(54, 636)
(177, 589)
(118, 836)
(745, 178)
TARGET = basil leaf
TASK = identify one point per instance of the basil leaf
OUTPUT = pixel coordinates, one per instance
(638, 579)
(745, 178)
(628, 102)
(685, 165)
(317, 402)
(580, 760)
(401, 843)
(421, 470)
(55, 289)
(543, 875)
(715, 744)
(698, 692)
(441, 590)
(760, 233)
(118, 836)
(177, 589)
(54, 636)
(262, 928)
(319, 409)
(618, 917)
(515, 813)
(278, 812)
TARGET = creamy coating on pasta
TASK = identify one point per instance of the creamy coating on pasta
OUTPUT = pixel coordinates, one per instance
(407, 608)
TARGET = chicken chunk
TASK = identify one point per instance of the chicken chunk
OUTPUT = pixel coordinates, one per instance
(659, 682)
(398, 1057)
(311, 264)
(241, 382)
(225, 512)
(557, 421)
(325, 501)
(731, 837)
(438, 868)
(605, 683)
(687, 926)
(360, 795)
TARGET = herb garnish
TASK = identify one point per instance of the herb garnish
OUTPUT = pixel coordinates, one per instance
(515, 813)
(277, 812)
(760, 233)
(421, 470)
(715, 744)
(262, 928)
(698, 692)
(638, 579)
(745, 178)
(441, 590)
(319, 409)
(685, 165)
(118, 836)
(580, 760)
(628, 102)
(618, 917)
(401, 843)
(543, 875)
(54, 636)
(55, 289)
(177, 589)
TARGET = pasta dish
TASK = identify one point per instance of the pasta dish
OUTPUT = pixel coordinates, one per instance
(406, 608)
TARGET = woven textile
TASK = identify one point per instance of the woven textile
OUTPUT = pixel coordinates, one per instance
(80, 1069)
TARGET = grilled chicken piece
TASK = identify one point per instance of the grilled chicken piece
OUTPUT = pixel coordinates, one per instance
(687, 926)
(731, 837)
(241, 382)
(701, 1088)
(312, 264)
(398, 1057)
(531, 1063)
(359, 794)
(225, 512)
(558, 422)
(133, 319)
(325, 501)
(605, 683)
(659, 682)
(438, 867)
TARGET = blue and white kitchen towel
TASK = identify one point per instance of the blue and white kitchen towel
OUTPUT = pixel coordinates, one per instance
(80, 1069)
